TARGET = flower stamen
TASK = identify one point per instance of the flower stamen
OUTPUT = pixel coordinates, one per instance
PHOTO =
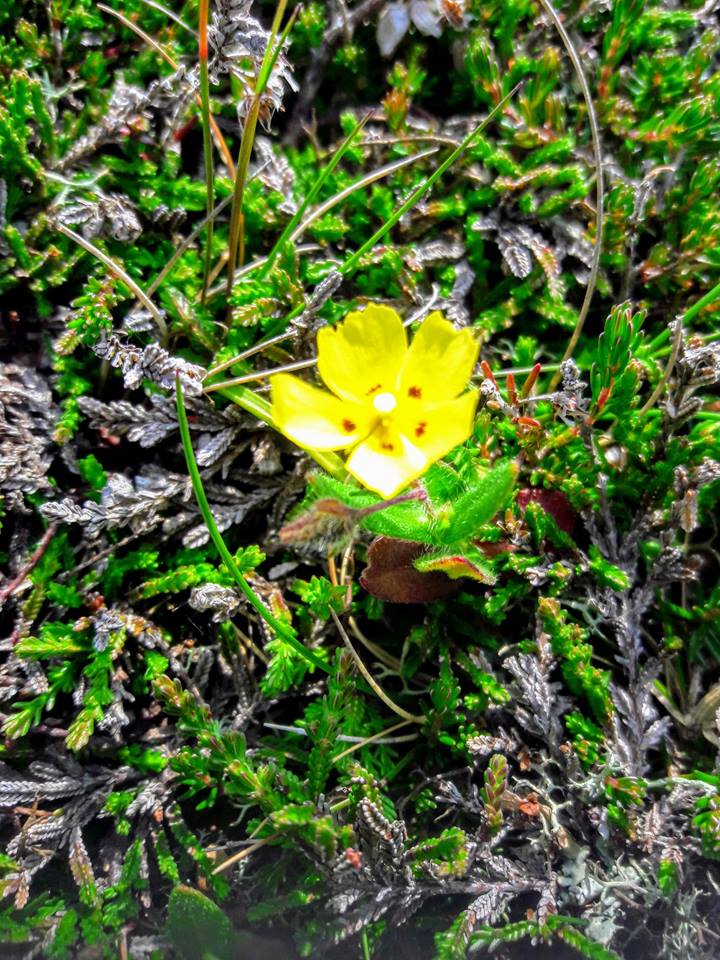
(385, 403)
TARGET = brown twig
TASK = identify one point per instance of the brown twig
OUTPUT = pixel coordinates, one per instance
(667, 373)
(18, 580)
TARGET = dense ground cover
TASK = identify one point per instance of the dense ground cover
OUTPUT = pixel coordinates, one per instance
(248, 708)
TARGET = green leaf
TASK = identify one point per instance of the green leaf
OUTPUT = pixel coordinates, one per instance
(197, 927)
(7, 863)
(584, 945)
(667, 876)
(448, 853)
(606, 573)
(156, 664)
(92, 472)
(292, 815)
(479, 504)
(40, 648)
(444, 691)
(443, 483)
(469, 563)
(248, 558)
(403, 521)
(544, 527)
(143, 759)
(321, 596)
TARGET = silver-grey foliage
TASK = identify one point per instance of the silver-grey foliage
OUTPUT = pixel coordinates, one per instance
(151, 362)
(27, 420)
(237, 46)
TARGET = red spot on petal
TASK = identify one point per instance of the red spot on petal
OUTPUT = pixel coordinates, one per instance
(388, 446)
(415, 392)
(372, 390)
(420, 428)
(349, 426)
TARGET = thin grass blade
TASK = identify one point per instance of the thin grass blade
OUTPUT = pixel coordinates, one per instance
(352, 262)
(236, 247)
(207, 134)
(281, 630)
(314, 191)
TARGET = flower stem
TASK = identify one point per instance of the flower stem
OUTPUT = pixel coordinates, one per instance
(282, 630)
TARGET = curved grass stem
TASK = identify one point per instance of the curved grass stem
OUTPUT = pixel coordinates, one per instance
(288, 233)
(371, 681)
(259, 407)
(667, 372)
(120, 273)
(151, 42)
(351, 264)
(690, 314)
(321, 210)
(282, 630)
(599, 184)
(236, 246)
(381, 734)
(242, 854)
(186, 244)
(712, 295)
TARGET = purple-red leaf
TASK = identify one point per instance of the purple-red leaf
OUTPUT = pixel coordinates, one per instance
(391, 576)
(553, 502)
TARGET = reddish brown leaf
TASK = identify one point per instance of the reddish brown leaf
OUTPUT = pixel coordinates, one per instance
(391, 576)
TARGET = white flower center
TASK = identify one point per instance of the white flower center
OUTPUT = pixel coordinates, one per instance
(385, 402)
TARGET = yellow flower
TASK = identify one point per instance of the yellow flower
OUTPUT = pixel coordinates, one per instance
(397, 409)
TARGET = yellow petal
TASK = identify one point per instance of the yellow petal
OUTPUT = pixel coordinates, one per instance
(439, 362)
(386, 462)
(363, 355)
(314, 418)
(435, 430)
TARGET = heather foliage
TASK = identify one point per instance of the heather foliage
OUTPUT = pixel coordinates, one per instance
(250, 705)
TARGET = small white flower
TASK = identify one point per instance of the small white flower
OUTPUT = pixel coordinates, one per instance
(394, 22)
(392, 26)
(426, 17)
